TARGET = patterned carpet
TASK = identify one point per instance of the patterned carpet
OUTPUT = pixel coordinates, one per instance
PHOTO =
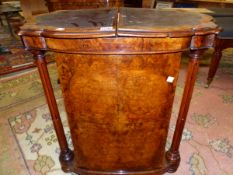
(17, 58)
(207, 143)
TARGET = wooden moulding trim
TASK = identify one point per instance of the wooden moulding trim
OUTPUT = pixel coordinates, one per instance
(36, 48)
(200, 48)
(119, 32)
(30, 32)
(121, 172)
(206, 31)
(122, 51)
(173, 34)
(52, 34)
(31, 41)
(125, 52)
(110, 53)
(154, 34)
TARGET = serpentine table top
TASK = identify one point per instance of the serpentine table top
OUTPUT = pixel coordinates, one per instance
(125, 21)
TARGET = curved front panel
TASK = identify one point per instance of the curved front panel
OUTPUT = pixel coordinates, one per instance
(121, 45)
(119, 108)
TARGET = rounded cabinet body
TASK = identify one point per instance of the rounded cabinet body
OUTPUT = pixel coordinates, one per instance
(118, 71)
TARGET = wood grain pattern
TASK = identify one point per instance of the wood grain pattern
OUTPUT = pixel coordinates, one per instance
(34, 42)
(221, 43)
(119, 108)
(119, 45)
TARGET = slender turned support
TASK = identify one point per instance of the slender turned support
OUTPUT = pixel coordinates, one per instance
(66, 155)
(173, 155)
(215, 61)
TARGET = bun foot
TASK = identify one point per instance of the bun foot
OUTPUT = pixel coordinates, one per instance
(173, 159)
(66, 159)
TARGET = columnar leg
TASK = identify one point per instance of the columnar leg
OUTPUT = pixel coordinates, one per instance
(173, 155)
(214, 61)
(66, 155)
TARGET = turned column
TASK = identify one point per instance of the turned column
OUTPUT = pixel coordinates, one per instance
(66, 155)
(173, 155)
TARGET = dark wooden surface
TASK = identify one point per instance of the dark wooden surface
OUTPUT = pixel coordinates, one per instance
(78, 19)
(54, 5)
(220, 45)
(161, 23)
(113, 73)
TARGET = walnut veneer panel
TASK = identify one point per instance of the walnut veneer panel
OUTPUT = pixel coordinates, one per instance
(118, 108)
(119, 45)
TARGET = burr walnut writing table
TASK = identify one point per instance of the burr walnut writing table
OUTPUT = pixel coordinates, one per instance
(118, 70)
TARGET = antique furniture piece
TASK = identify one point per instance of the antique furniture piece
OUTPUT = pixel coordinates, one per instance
(118, 71)
(223, 41)
(54, 5)
(224, 18)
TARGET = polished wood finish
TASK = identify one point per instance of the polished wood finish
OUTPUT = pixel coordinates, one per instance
(66, 155)
(54, 5)
(172, 154)
(114, 68)
(111, 104)
(220, 45)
